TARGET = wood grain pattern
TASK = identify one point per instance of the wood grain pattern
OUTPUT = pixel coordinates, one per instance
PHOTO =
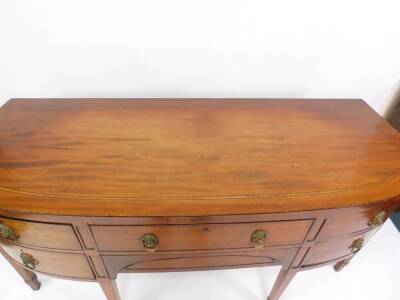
(193, 157)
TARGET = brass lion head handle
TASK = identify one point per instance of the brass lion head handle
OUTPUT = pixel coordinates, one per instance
(357, 245)
(258, 238)
(7, 233)
(377, 220)
(28, 260)
(149, 241)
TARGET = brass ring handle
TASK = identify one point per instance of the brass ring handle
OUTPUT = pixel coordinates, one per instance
(357, 245)
(28, 260)
(7, 233)
(149, 241)
(377, 220)
(258, 237)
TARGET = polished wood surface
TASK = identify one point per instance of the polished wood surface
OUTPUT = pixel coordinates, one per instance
(193, 157)
(82, 181)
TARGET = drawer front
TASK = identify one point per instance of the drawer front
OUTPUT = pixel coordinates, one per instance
(327, 251)
(200, 236)
(42, 234)
(353, 221)
(53, 263)
(156, 262)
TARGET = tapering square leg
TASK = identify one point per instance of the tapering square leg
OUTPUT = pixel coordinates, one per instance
(341, 264)
(110, 289)
(283, 280)
(28, 276)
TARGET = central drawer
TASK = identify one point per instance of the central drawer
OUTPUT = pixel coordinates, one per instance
(200, 236)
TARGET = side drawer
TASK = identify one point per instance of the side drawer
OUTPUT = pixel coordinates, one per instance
(200, 236)
(353, 221)
(190, 260)
(326, 251)
(42, 234)
(53, 263)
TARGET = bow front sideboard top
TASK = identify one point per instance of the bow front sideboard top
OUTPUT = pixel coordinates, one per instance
(90, 188)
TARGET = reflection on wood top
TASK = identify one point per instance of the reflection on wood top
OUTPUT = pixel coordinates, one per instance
(149, 157)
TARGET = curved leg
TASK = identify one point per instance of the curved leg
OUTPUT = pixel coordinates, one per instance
(110, 288)
(29, 277)
(283, 280)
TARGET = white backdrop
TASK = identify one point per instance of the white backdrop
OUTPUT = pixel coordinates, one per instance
(204, 48)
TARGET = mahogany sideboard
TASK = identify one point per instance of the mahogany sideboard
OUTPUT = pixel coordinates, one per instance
(90, 188)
